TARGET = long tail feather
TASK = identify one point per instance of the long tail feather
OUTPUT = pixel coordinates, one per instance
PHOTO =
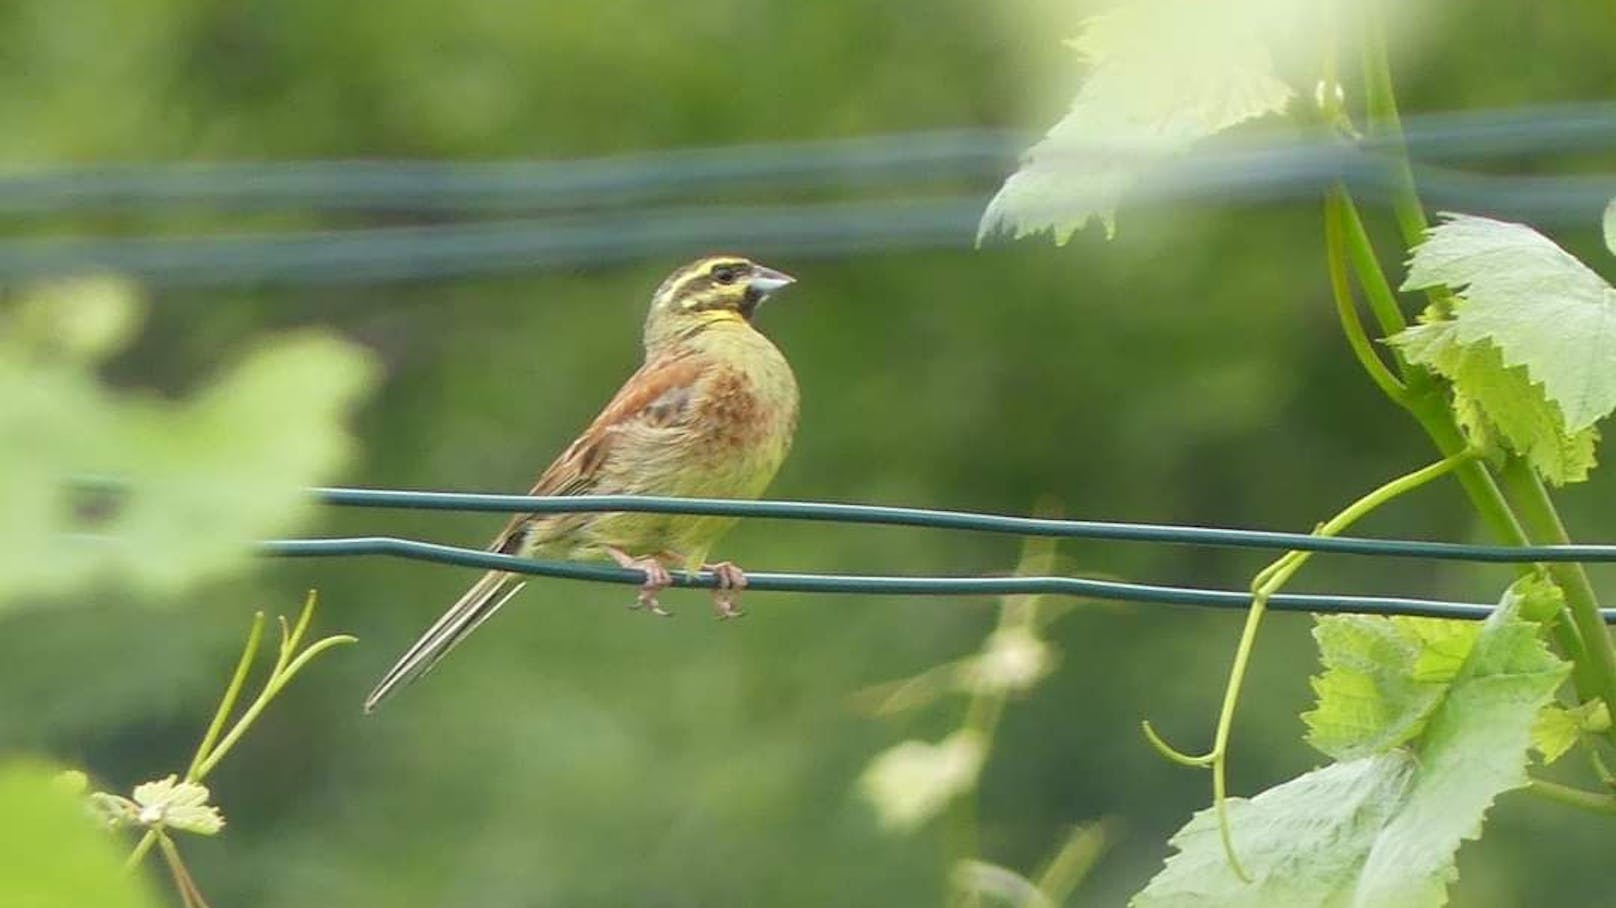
(485, 597)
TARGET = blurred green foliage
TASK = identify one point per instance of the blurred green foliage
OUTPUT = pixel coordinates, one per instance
(195, 483)
(578, 754)
(55, 855)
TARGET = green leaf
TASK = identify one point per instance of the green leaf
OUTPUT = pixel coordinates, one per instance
(1539, 306)
(1536, 596)
(56, 855)
(177, 805)
(1499, 406)
(202, 479)
(209, 479)
(1302, 841)
(1382, 679)
(1165, 73)
(1555, 732)
(1381, 831)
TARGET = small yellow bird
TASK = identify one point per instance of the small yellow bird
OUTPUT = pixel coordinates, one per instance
(710, 413)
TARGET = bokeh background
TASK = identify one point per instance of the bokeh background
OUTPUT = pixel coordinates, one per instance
(575, 753)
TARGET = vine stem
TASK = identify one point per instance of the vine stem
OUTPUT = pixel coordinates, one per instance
(1425, 400)
(1575, 797)
(1537, 511)
(1346, 306)
(141, 848)
(227, 703)
(1528, 514)
(190, 893)
(1380, 98)
(211, 749)
(1265, 584)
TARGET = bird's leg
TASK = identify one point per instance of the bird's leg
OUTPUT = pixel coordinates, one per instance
(657, 578)
(731, 580)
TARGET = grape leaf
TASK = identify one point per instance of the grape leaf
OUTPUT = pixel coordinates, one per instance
(1534, 301)
(1382, 679)
(1555, 732)
(1498, 405)
(203, 478)
(1165, 73)
(177, 804)
(1381, 831)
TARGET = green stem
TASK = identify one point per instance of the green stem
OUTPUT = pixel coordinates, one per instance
(1436, 417)
(1366, 263)
(1347, 308)
(1220, 740)
(1584, 639)
(1267, 582)
(144, 845)
(1426, 399)
(1383, 120)
(190, 895)
(1537, 511)
(227, 703)
(1073, 862)
(286, 671)
(208, 754)
(1575, 797)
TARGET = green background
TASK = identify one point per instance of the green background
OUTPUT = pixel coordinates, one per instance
(578, 754)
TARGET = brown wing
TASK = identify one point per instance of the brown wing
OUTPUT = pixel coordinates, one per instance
(657, 395)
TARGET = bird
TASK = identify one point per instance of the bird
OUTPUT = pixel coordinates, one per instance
(710, 413)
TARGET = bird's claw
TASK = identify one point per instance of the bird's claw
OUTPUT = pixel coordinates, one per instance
(731, 580)
(657, 579)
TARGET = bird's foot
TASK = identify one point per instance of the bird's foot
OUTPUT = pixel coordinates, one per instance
(731, 580)
(657, 579)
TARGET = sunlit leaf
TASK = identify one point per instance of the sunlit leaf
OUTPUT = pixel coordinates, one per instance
(1382, 679)
(56, 856)
(1164, 74)
(1380, 831)
(1541, 307)
(1555, 732)
(1499, 405)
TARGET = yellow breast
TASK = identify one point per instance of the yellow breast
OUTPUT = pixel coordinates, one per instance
(741, 416)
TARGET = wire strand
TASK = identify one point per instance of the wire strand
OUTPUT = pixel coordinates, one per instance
(615, 209)
(883, 585)
(447, 186)
(965, 520)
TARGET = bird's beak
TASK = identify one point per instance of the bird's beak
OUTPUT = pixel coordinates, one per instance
(766, 281)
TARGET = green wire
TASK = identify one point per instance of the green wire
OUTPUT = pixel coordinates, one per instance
(918, 517)
(963, 520)
(883, 586)
(881, 160)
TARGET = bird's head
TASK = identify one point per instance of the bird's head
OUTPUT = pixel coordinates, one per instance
(717, 288)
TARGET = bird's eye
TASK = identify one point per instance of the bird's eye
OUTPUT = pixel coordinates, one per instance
(726, 274)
